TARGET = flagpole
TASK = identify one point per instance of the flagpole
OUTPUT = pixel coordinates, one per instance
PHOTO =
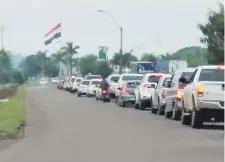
(61, 44)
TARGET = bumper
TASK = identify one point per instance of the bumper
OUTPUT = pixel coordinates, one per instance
(129, 98)
(214, 105)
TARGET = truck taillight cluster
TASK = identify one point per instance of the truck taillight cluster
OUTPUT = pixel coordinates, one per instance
(200, 90)
(178, 95)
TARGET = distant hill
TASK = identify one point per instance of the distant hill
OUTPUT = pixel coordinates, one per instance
(194, 55)
(16, 59)
(190, 50)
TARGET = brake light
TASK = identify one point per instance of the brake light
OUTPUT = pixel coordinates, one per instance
(147, 86)
(158, 76)
(104, 91)
(200, 90)
(125, 91)
(178, 95)
(220, 67)
(181, 86)
(164, 92)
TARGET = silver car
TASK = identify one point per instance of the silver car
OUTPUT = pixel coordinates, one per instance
(83, 88)
(159, 95)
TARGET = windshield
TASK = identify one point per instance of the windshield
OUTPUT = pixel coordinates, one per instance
(154, 78)
(95, 82)
(213, 75)
(132, 85)
(44, 79)
(186, 75)
(114, 78)
(131, 77)
(79, 80)
(85, 82)
(93, 77)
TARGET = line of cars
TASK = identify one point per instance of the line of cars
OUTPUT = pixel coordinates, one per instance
(191, 95)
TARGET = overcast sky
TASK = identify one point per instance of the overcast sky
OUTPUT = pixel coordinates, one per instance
(149, 25)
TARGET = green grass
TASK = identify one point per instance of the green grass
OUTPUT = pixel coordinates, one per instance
(6, 85)
(13, 113)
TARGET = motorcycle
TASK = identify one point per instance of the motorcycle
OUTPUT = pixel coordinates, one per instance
(105, 96)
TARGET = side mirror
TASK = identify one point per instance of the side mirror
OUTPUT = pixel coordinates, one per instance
(183, 80)
(153, 86)
(167, 84)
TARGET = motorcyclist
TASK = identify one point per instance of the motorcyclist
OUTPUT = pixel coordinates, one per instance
(104, 84)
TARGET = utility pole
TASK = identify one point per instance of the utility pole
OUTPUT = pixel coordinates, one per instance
(121, 50)
(2, 31)
(121, 38)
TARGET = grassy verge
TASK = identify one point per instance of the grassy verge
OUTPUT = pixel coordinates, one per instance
(13, 113)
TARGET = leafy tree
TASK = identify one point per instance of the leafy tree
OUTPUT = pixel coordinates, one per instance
(213, 32)
(149, 57)
(103, 68)
(70, 49)
(87, 64)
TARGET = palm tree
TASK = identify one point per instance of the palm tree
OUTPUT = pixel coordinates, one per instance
(70, 50)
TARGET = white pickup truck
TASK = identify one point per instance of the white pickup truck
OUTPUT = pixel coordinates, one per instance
(203, 97)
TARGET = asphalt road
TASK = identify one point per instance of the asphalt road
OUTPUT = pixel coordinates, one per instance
(65, 128)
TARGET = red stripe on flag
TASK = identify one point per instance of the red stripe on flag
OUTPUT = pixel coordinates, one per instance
(53, 29)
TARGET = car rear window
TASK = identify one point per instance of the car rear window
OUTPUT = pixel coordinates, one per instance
(213, 75)
(85, 82)
(186, 75)
(154, 78)
(94, 77)
(72, 80)
(131, 84)
(96, 82)
(78, 80)
(114, 78)
(132, 77)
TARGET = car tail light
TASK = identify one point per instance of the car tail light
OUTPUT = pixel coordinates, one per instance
(125, 90)
(178, 95)
(147, 86)
(158, 76)
(180, 86)
(220, 67)
(164, 92)
(200, 90)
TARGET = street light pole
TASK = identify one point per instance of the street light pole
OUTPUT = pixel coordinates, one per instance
(121, 50)
(121, 37)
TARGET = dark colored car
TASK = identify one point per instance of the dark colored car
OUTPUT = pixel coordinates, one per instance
(126, 93)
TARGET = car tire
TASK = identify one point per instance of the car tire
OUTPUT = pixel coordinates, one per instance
(160, 111)
(176, 114)
(185, 119)
(154, 110)
(136, 106)
(168, 114)
(78, 94)
(196, 118)
(122, 103)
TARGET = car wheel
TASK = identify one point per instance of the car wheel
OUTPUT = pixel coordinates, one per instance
(168, 114)
(122, 103)
(176, 114)
(160, 111)
(196, 118)
(185, 119)
(78, 94)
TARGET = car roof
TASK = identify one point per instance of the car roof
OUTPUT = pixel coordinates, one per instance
(86, 80)
(128, 74)
(149, 74)
(186, 70)
(95, 80)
